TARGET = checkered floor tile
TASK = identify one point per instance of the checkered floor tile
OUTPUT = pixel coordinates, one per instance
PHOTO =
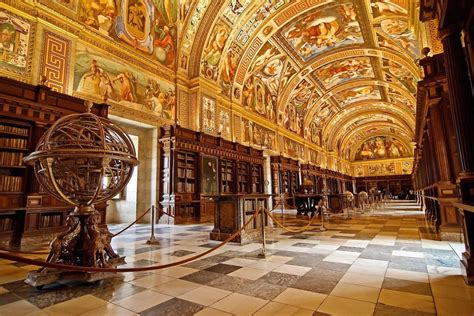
(383, 262)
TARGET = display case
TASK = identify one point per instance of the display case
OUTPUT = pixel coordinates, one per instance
(233, 211)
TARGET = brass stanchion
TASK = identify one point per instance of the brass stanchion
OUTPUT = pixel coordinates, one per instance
(263, 254)
(322, 228)
(153, 240)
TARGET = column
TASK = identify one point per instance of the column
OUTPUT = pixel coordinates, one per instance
(440, 148)
(460, 97)
(449, 222)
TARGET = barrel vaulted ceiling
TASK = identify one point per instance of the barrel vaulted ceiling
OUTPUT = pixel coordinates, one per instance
(335, 72)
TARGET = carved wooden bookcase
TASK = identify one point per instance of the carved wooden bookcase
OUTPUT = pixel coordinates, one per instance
(285, 177)
(195, 165)
(26, 112)
(315, 174)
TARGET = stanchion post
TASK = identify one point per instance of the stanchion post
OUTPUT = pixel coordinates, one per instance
(282, 204)
(153, 240)
(322, 228)
(263, 254)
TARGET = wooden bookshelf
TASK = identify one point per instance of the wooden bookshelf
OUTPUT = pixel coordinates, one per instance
(285, 175)
(186, 172)
(257, 178)
(226, 176)
(243, 177)
(26, 112)
(314, 174)
(221, 167)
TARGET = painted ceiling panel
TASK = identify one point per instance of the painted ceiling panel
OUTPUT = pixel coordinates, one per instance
(344, 70)
(324, 29)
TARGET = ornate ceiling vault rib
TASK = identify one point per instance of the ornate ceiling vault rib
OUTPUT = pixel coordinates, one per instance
(359, 109)
(346, 125)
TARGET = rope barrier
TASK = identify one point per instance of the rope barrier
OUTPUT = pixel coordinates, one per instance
(47, 252)
(7, 256)
(288, 229)
(25, 252)
(133, 223)
(166, 213)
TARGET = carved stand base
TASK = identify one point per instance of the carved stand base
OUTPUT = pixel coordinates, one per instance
(39, 279)
(83, 244)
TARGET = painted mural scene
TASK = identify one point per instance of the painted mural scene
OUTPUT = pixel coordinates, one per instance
(149, 26)
(237, 157)
(381, 147)
(14, 41)
(102, 77)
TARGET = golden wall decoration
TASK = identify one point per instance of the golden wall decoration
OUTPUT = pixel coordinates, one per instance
(55, 61)
(385, 167)
(208, 114)
(224, 128)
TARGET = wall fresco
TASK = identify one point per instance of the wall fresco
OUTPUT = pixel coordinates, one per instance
(103, 77)
(381, 147)
(14, 42)
(148, 26)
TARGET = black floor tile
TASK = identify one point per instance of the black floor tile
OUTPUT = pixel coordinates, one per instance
(173, 307)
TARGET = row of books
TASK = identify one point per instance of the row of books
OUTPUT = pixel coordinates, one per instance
(188, 173)
(51, 220)
(13, 129)
(20, 143)
(11, 158)
(185, 187)
(11, 183)
(6, 224)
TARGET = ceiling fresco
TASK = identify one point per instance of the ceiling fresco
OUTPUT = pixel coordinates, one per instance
(325, 70)
(344, 70)
(381, 147)
(323, 29)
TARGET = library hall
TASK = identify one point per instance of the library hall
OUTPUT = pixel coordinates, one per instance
(236, 157)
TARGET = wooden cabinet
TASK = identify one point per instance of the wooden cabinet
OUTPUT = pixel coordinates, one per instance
(397, 186)
(233, 211)
(256, 178)
(26, 112)
(285, 176)
(186, 166)
(243, 177)
(226, 176)
(196, 165)
(315, 175)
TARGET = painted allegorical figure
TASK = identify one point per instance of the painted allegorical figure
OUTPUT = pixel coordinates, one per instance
(126, 91)
(213, 52)
(324, 29)
(98, 14)
(105, 84)
(165, 31)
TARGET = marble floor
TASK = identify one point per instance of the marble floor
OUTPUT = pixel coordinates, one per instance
(385, 262)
